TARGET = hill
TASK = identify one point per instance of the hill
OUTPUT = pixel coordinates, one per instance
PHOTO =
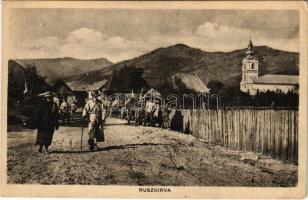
(222, 66)
(60, 68)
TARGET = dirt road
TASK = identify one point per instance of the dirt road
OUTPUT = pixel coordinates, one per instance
(139, 156)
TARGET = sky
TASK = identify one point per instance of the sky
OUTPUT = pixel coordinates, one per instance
(120, 34)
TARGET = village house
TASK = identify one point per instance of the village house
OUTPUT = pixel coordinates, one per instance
(78, 90)
(252, 83)
(64, 91)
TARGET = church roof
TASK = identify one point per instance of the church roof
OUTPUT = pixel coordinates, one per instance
(277, 79)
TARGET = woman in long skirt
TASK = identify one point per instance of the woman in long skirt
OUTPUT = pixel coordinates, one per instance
(47, 121)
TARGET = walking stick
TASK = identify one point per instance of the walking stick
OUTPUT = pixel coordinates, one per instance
(81, 135)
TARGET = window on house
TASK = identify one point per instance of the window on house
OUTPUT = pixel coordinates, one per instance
(252, 66)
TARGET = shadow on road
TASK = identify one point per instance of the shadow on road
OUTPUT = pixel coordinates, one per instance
(125, 124)
(18, 128)
(127, 146)
(85, 125)
(73, 125)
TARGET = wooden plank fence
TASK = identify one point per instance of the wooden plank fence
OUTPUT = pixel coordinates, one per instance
(269, 132)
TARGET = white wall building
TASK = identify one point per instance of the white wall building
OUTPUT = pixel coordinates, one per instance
(251, 82)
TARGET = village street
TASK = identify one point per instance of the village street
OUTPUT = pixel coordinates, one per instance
(139, 156)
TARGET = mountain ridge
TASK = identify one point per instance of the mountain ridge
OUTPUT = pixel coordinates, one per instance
(179, 58)
(223, 66)
(60, 68)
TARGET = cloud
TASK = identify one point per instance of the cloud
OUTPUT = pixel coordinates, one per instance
(84, 36)
(225, 38)
(86, 43)
(215, 31)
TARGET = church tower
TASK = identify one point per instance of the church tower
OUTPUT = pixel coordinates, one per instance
(250, 70)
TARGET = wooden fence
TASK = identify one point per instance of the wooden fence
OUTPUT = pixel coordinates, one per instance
(270, 132)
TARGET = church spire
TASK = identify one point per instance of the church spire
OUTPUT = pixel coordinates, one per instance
(250, 69)
(250, 50)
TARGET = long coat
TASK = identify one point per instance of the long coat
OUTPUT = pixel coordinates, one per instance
(47, 121)
(95, 110)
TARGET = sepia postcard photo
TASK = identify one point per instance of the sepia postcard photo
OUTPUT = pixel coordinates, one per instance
(154, 99)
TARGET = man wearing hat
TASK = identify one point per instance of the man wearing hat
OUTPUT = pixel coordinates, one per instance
(149, 106)
(47, 121)
(94, 109)
(157, 116)
(129, 104)
(65, 110)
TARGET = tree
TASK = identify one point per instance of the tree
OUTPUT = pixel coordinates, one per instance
(131, 78)
(271, 98)
(35, 82)
(15, 86)
(215, 86)
(136, 81)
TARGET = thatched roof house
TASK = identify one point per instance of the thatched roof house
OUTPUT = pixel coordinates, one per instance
(188, 81)
(79, 86)
(78, 90)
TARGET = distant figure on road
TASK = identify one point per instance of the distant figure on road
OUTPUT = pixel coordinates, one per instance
(94, 109)
(73, 107)
(123, 113)
(139, 113)
(47, 121)
(157, 114)
(129, 104)
(65, 110)
(165, 115)
(56, 100)
(149, 106)
(106, 106)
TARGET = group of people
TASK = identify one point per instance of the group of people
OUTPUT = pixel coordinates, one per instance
(67, 110)
(148, 112)
(49, 112)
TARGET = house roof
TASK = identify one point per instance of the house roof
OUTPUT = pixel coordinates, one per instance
(277, 79)
(85, 86)
(189, 81)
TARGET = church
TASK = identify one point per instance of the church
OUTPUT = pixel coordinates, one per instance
(252, 83)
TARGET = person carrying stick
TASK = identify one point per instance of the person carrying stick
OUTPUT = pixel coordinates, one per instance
(94, 109)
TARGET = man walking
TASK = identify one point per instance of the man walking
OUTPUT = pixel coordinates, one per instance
(94, 109)
(149, 106)
(129, 104)
(73, 106)
(65, 111)
(105, 108)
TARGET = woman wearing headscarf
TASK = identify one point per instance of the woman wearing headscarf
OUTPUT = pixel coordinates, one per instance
(47, 121)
